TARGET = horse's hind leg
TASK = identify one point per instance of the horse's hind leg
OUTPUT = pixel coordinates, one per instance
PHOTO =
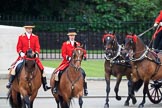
(80, 102)
(116, 89)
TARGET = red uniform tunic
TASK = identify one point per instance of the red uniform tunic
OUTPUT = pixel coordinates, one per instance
(158, 20)
(24, 44)
(67, 49)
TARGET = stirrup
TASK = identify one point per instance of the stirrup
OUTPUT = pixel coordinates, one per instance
(46, 88)
(54, 91)
(8, 85)
(85, 92)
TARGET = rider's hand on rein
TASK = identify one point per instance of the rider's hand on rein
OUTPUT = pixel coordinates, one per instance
(22, 54)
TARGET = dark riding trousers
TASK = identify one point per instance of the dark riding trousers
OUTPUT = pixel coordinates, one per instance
(158, 41)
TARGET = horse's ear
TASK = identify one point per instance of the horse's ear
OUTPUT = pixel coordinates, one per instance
(29, 51)
(81, 45)
(113, 32)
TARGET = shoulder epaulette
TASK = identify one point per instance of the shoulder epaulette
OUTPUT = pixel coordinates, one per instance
(33, 34)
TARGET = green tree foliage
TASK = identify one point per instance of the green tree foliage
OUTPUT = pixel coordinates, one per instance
(93, 14)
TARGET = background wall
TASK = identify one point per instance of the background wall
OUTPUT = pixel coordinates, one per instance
(8, 40)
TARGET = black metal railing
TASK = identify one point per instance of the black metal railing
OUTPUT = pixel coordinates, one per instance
(52, 34)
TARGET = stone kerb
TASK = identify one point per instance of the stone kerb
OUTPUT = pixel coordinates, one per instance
(8, 40)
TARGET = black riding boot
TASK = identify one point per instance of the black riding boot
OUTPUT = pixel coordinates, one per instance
(44, 81)
(85, 89)
(10, 81)
(55, 89)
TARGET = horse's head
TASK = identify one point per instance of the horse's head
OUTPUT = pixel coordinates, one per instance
(30, 61)
(30, 54)
(77, 57)
(130, 45)
(110, 44)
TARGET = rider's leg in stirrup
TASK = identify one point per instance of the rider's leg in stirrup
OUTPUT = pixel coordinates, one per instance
(44, 81)
(84, 83)
(12, 74)
(11, 78)
(55, 89)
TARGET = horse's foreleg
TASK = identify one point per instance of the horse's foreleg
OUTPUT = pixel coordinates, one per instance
(130, 94)
(26, 101)
(145, 89)
(31, 104)
(116, 89)
(15, 101)
(107, 93)
(32, 98)
(80, 102)
(64, 105)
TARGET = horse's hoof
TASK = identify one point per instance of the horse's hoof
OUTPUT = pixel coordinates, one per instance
(106, 105)
(118, 97)
(134, 101)
(141, 106)
(126, 104)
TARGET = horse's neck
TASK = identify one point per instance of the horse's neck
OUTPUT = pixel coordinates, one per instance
(117, 49)
(72, 69)
(140, 48)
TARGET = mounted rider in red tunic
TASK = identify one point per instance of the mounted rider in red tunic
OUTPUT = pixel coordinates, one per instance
(157, 45)
(27, 41)
(67, 49)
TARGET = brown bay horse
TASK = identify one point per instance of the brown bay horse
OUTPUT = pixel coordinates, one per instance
(71, 81)
(146, 64)
(114, 67)
(26, 83)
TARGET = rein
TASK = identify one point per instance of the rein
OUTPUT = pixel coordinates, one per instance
(26, 58)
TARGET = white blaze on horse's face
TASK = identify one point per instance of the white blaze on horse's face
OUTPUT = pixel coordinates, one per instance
(108, 38)
(79, 51)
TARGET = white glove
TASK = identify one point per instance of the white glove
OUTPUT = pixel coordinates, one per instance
(160, 23)
(155, 24)
(22, 54)
(68, 58)
(36, 55)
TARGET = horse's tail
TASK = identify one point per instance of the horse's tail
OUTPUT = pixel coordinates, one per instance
(137, 85)
(19, 100)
